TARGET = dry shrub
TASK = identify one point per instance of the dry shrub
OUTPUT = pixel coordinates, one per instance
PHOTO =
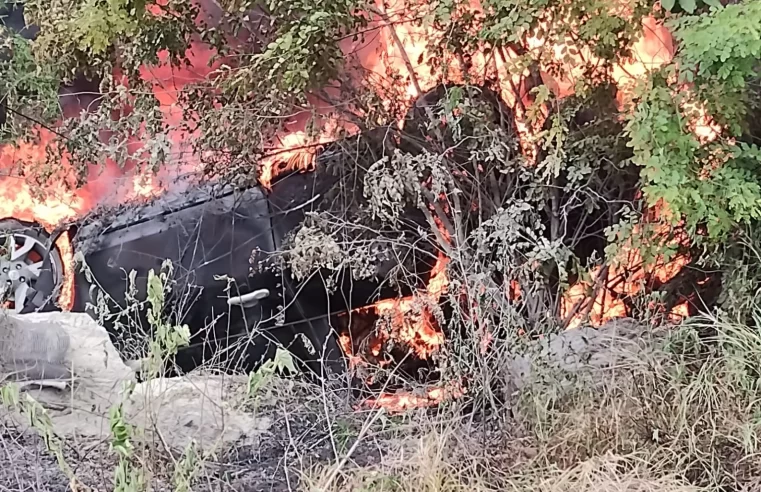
(691, 406)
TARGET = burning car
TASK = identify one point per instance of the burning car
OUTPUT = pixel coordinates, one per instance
(240, 305)
(208, 233)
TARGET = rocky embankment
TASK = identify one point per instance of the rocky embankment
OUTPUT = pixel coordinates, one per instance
(66, 362)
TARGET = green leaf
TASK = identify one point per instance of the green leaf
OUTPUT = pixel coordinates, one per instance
(668, 4)
(284, 360)
(689, 6)
(713, 3)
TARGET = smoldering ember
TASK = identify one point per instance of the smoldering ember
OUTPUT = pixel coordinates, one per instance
(525, 228)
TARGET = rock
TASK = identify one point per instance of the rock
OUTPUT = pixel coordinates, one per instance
(35, 370)
(27, 339)
(200, 407)
(579, 352)
(33, 351)
(173, 411)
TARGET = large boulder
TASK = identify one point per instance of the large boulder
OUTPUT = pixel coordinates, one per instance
(585, 353)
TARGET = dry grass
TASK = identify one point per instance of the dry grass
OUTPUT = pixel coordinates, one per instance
(682, 416)
(428, 465)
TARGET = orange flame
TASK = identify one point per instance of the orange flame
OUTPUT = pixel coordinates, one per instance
(24, 169)
(395, 403)
(406, 321)
(627, 275)
(66, 298)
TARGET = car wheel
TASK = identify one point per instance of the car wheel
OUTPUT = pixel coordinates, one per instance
(23, 265)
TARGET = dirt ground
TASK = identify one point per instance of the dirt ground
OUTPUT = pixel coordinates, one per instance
(299, 438)
(261, 443)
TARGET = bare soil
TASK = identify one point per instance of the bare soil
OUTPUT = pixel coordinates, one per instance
(299, 439)
(263, 442)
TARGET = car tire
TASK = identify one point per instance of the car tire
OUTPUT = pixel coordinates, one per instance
(32, 275)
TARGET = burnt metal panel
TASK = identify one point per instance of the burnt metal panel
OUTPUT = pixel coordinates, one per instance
(209, 237)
